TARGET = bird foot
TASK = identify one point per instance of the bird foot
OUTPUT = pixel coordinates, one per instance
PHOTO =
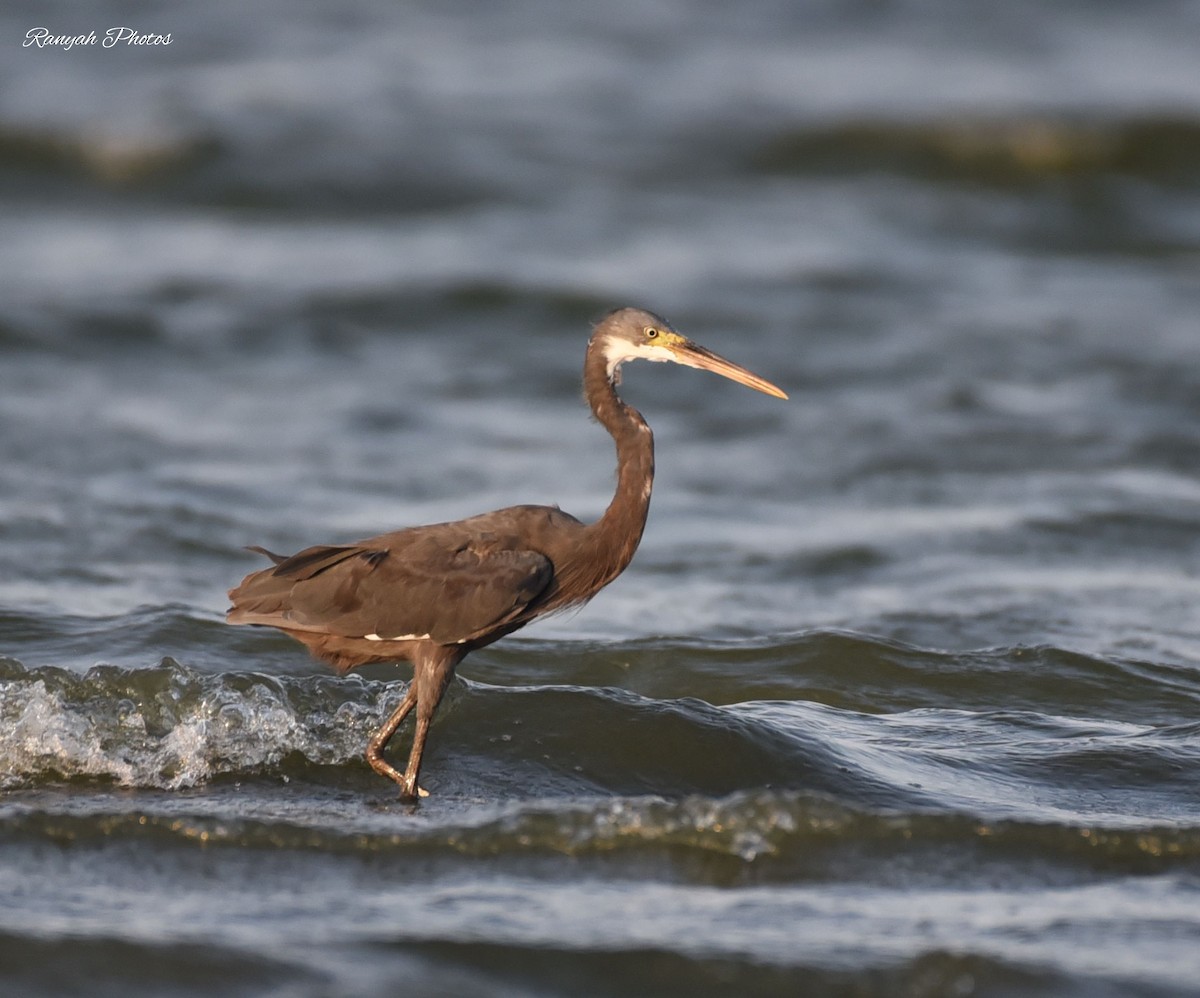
(410, 793)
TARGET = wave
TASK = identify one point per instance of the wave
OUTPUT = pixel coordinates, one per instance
(1000, 150)
(43, 965)
(114, 158)
(782, 834)
(845, 670)
(859, 672)
(626, 970)
(37, 965)
(171, 727)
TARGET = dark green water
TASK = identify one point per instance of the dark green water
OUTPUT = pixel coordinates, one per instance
(901, 695)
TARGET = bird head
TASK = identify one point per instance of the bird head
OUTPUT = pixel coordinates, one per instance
(635, 334)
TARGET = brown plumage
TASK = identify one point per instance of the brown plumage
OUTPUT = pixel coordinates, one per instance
(432, 594)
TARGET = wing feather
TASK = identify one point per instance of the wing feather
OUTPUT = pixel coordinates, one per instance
(451, 585)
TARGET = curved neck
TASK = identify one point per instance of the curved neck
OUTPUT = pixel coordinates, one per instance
(614, 538)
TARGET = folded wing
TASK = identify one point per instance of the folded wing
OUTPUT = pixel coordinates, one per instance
(422, 583)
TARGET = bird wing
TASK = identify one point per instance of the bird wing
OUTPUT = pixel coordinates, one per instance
(440, 584)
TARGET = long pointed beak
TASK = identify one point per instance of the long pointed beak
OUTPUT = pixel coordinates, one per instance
(694, 355)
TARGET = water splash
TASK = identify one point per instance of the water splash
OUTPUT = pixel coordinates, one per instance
(170, 727)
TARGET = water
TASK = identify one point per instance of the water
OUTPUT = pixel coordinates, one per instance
(900, 695)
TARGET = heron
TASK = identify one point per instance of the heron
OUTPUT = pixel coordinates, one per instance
(430, 595)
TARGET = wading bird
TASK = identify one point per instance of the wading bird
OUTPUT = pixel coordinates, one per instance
(431, 595)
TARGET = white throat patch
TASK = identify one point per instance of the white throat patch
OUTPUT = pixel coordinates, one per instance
(617, 351)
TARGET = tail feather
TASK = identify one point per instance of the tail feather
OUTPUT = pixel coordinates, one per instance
(276, 558)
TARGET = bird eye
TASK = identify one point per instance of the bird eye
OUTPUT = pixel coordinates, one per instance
(651, 333)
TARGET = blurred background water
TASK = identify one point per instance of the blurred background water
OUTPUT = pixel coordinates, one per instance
(899, 696)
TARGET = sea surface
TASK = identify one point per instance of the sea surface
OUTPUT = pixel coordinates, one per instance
(901, 695)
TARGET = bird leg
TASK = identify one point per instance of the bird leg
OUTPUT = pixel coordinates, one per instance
(431, 676)
(381, 737)
(431, 684)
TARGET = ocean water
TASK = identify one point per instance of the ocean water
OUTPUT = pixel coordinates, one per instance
(901, 695)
